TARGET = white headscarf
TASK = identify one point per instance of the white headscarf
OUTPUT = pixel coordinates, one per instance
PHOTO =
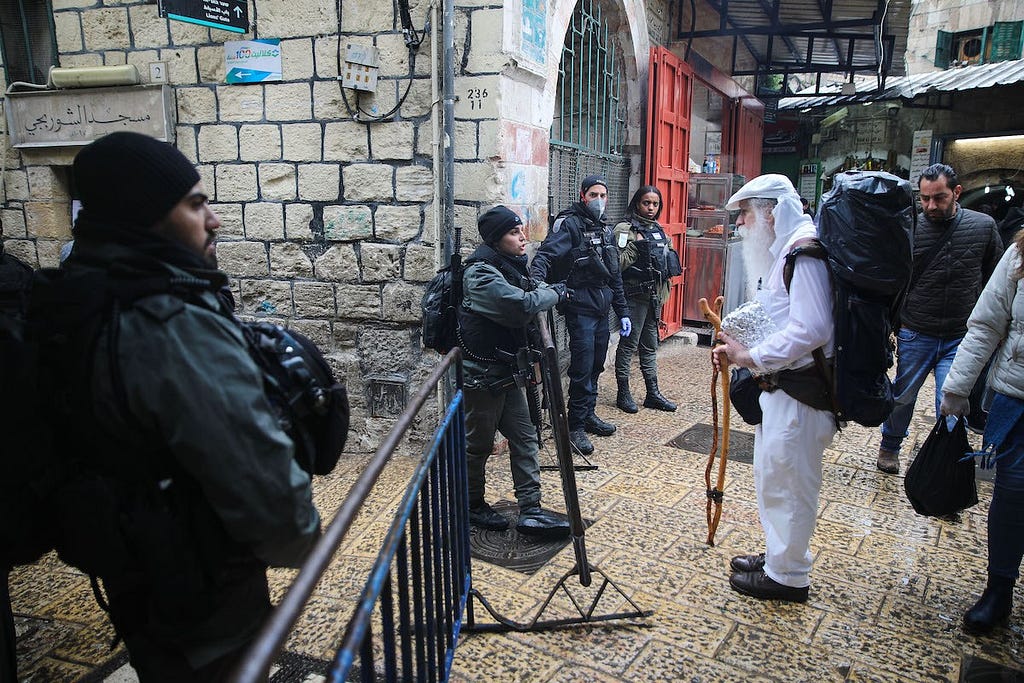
(788, 213)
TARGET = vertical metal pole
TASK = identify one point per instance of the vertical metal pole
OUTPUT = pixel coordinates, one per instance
(452, 234)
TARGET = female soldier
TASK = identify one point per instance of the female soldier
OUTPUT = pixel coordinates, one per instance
(499, 302)
(647, 262)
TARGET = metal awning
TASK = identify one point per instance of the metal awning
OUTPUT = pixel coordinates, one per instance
(801, 37)
(972, 77)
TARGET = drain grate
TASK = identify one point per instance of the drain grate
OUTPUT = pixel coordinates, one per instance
(975, 670)
(509, 548)
(698, 439)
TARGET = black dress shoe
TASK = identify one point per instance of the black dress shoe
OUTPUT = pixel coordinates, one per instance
(761, 586)
(596, 425)
(992, 609)
(747, 563)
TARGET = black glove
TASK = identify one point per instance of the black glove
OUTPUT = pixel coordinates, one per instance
(563, 292)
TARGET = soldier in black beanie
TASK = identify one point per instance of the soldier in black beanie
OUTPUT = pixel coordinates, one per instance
(188, 487)
(499, 303)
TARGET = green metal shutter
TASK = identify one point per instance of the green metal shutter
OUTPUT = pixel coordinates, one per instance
(943, 49)
(1006, 41)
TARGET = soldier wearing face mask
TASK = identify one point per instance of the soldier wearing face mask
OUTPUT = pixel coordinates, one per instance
(580, 251)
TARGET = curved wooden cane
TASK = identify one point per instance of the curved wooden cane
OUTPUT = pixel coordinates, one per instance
(716, 493)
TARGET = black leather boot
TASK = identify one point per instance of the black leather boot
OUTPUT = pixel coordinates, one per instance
(655, 399)
(624, 399)
(992, 609)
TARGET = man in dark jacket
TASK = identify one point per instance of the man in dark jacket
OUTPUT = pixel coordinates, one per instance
(580, 252)
(500, 302)
(188, 487)
(941, 297)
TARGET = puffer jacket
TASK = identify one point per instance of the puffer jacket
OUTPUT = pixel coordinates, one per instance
(996, 325)
(941, 300)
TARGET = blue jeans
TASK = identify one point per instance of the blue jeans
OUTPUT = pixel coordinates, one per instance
(1006, 514)
(917, 356)
(588, 346)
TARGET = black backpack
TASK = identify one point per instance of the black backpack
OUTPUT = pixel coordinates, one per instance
(866, 235)
(24, 469)
(440, 303)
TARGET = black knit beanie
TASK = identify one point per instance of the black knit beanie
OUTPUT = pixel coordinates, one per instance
(592, 180)
(494, 223)
(132, 178)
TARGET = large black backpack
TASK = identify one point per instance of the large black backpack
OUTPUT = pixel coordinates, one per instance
(866, 235)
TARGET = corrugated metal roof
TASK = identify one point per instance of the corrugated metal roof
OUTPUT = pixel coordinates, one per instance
(807, 36)
(973, 77)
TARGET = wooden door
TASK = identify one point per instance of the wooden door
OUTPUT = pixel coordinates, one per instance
(666, 161)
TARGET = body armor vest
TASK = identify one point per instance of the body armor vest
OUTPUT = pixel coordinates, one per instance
(660, 253)
(481, 338)
(593, 260)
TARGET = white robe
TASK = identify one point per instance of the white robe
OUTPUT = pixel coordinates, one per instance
(792, 437)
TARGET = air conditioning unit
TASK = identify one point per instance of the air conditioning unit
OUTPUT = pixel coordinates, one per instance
(968, 49)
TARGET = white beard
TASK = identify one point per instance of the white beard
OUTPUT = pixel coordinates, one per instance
(757, 260)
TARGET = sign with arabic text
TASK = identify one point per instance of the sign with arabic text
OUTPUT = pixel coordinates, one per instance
(252, 61)
(72, 117)
(229, 15)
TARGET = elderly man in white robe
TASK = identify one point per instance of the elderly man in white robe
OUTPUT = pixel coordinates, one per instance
(792, 437)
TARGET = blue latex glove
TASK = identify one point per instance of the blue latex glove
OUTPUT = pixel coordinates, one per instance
(627, 327)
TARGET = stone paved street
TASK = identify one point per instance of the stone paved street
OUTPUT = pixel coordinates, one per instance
(888, 587)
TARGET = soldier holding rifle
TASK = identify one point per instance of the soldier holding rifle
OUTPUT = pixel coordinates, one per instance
(499, 301)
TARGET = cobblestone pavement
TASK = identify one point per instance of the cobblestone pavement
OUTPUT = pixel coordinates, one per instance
(887, 595)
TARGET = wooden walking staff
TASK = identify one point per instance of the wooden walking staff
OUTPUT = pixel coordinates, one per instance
(715, 495)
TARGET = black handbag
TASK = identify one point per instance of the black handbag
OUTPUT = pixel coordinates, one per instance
(745, 395)
(938, 482)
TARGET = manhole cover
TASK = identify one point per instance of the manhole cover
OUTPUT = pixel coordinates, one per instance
(698, 439)
(509, 548)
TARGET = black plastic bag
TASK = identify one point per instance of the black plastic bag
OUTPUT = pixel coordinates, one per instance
(745, 395)
(937, 483)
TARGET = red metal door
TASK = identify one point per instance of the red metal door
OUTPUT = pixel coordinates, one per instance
(749, 134)
(666, 163)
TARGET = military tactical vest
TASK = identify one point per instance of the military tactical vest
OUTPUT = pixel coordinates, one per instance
(480, 337)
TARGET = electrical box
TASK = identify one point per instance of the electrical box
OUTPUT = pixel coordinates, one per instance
(362, 64)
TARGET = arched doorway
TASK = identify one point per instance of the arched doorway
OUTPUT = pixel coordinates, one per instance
(589, 126)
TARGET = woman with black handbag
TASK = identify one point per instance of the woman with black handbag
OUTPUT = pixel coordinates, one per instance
(996, 326)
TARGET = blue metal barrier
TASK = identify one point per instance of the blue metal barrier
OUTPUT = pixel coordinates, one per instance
(420, 581)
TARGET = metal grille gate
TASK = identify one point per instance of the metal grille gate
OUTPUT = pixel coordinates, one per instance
(588, 131)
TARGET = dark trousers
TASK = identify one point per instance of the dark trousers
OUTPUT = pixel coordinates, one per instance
(588, 346)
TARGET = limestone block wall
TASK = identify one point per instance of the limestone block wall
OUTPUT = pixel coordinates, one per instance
(328, 217)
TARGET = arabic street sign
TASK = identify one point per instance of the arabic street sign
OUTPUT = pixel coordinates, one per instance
(252, 61)
(229, 15)
(65, 118)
